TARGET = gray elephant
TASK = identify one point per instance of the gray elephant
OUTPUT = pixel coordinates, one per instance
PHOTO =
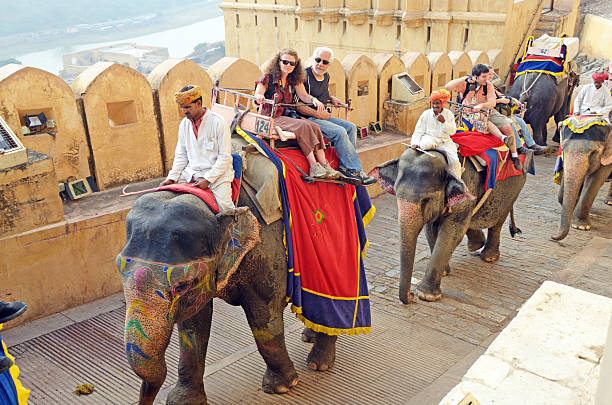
(587, 163)
(428, 195)
(545, 96)
(178, 256)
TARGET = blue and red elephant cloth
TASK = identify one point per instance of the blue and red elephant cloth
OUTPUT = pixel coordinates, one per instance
(325, 242)
(12, 391)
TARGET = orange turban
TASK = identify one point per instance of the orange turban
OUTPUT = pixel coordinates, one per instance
(600, 76)
(443, 95)
(188, 96)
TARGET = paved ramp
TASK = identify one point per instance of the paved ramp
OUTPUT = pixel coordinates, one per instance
(366, 371)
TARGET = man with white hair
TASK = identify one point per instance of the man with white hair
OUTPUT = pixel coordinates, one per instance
(342, 134)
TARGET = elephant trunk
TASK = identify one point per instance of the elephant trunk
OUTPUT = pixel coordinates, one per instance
(411, 223)
(146, 338)
(575, 166)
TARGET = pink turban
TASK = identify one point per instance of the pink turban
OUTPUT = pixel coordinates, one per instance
(600, 76)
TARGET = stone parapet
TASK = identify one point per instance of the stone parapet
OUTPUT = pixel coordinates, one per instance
(549, 353)
(29, 197)
(402, 117)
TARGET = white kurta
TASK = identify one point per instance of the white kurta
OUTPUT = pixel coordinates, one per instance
(209, 156)
(591, 100)
(430, 133)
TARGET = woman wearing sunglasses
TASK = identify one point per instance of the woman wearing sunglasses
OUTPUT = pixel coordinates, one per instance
(284, 76)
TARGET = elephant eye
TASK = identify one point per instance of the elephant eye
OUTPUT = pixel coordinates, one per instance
(181, 287)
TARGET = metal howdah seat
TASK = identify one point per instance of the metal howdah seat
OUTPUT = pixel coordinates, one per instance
(473, 119)
(250, 117)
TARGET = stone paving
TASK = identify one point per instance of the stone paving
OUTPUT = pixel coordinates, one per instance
(415, 354)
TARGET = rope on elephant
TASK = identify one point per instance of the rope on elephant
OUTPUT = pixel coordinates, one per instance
(482, 201)
(530, 86)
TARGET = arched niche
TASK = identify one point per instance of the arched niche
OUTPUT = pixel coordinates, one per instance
(166, 79)
(495, 61)
(362, 84)
(462, 64)
(387, 65)
(441, 69)
(29, 91)
(417, 66)
(235, 73)
(478, 57)
(117, 104)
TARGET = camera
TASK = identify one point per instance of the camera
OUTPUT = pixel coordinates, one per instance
(470, 86)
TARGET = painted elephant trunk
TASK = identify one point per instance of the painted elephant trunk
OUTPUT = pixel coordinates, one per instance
(411, 223)
(575, 166)
(146, 336)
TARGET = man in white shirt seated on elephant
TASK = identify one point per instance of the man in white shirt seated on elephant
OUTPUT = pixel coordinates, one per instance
(203, 152)
(434, 128)
(594, 99)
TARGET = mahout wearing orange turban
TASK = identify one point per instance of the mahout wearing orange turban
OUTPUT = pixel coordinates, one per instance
(443, 95)
(188, 96)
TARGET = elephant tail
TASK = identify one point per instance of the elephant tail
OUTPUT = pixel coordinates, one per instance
(514, 230)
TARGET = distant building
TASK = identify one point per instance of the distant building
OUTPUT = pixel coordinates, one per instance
(139, 57)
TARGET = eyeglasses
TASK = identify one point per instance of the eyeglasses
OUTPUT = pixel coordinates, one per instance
(286, 62)
(319, 60)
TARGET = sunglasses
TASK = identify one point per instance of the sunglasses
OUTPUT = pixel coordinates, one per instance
(319, 60)
(286, 62)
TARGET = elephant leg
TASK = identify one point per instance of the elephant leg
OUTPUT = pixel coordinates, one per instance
(539, 133)
(450, 233)
(308, 335)
(476, 239)
(431, 232)
(266, 321)
(490, 253)
(608, 199)
(581, 218)
(323, 353)
(194, 334)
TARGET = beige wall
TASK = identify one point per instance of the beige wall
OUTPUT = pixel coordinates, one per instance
(462, 64)
(117, 103)
(386, 65)
(63, 265)
(478, 57)
(29, 198)
(166, 79)
(26, 90)
(361, 72)
(596, 37)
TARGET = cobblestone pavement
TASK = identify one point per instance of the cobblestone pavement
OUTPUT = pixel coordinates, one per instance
(415, 354)
(480, 298)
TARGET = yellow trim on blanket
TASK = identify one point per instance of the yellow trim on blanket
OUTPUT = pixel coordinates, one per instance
(568, 122)
(369, 215)
(324, 329)
(22, 392)
(541, 71)
(557, 177)
(367, 297)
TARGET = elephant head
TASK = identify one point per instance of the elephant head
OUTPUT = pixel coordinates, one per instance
(178, 256)
(425, 190)
(583, 155)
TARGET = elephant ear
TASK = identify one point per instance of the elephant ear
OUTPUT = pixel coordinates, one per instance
(456, 191)
(240, 236)
(386, 174)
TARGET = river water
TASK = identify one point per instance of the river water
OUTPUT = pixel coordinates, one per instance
(179, 41)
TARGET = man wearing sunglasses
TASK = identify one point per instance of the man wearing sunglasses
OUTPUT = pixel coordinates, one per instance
(342, 134)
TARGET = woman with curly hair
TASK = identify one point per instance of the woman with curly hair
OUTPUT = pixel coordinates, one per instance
(284, 76)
